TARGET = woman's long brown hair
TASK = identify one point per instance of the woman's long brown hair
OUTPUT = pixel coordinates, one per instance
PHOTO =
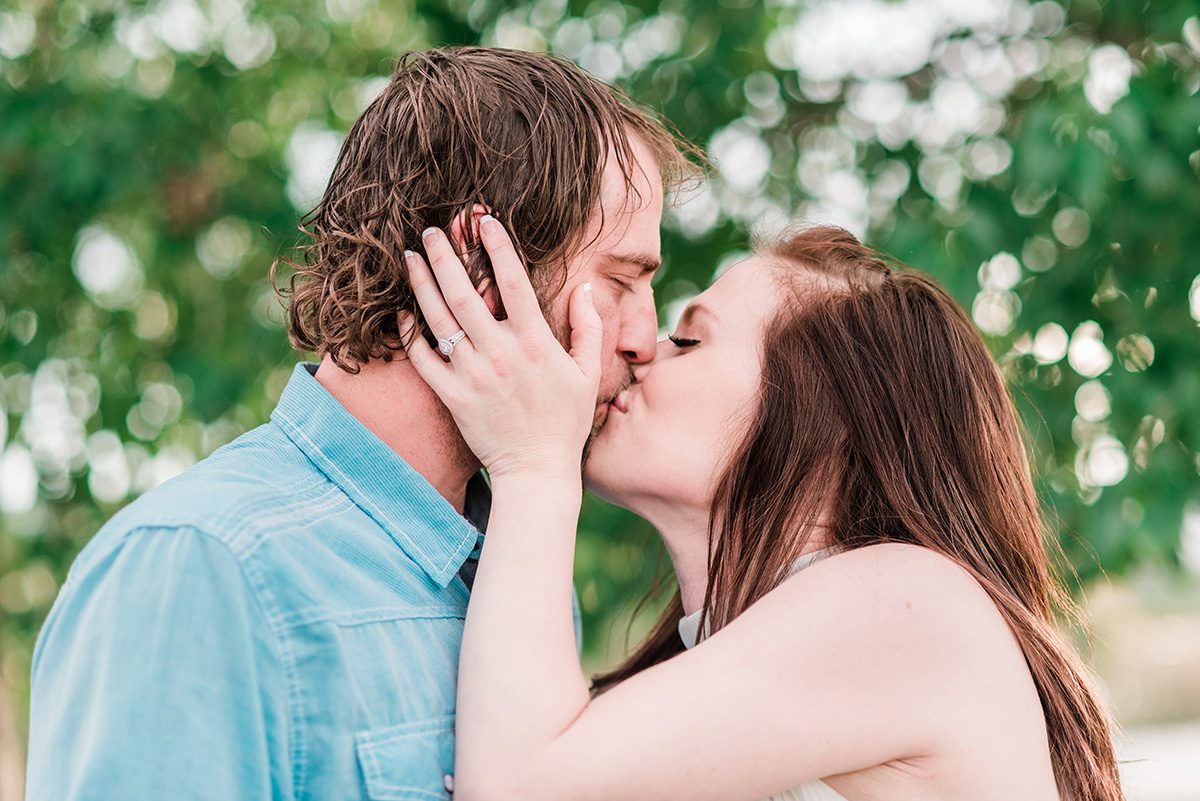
(881, 408)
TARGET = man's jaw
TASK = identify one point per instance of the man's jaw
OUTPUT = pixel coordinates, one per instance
(603, 410)
(600, 418)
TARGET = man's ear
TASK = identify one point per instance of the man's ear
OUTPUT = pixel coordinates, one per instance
(464, 228)
(491, 296)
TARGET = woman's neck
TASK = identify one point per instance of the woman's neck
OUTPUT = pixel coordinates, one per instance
(684, 533)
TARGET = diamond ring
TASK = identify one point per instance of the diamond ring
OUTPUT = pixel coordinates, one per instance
(446, 346)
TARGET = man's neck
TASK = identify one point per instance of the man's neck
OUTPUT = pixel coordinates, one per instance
(392, 401)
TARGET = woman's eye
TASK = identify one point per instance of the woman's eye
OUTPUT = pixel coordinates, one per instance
(683, 342)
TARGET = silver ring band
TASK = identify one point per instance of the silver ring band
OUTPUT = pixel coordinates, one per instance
(446, 346)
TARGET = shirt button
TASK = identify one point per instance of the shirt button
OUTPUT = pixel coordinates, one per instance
(448, 783)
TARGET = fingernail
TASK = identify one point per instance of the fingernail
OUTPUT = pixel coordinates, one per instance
(587, 287)
(408, 254)
(429, 233)
(486, 219)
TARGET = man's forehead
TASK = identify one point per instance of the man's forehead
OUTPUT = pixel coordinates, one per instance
(630, 182)
(630, 211)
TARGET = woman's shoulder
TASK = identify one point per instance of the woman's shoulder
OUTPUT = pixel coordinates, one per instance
(899, 594)
(899, 569)
(915, 624)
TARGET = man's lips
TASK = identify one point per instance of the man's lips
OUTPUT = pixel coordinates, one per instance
(621, 402)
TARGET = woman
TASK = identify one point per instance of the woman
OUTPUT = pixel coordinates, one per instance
(831, 458)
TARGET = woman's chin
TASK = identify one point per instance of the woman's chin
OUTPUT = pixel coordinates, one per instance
(606, 492)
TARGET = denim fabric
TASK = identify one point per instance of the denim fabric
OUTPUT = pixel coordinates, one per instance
(282, 621)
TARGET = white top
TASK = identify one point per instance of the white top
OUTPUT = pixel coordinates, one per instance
(689, 633)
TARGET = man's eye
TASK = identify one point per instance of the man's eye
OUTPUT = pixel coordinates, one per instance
(682, 342)
(624, 284)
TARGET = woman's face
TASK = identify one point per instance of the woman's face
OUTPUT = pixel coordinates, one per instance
(668, 436)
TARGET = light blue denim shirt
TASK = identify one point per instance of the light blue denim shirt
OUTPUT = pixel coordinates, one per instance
(282, 621)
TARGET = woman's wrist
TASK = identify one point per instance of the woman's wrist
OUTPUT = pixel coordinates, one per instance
(524, 478)
(538, 467)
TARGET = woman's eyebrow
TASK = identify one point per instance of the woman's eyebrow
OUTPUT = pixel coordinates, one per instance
(695, 308)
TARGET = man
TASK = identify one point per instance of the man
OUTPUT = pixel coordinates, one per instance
(283, 620)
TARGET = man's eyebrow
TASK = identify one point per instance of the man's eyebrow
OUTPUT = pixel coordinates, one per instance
(648, 263)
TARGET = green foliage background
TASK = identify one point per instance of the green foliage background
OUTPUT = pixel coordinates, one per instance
(148, 176)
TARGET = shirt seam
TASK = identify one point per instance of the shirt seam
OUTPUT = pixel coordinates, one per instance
(363, 617)
(273, 615)
(265, 602)
(253, 531)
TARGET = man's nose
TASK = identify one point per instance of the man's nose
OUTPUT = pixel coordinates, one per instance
(639, 332)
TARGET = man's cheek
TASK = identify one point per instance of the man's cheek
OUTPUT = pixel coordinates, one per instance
(612, 333)
(613, 367)
(559, 320)
(609, 311)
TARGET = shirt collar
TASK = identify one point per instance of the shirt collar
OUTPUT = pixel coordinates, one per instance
(375, 477)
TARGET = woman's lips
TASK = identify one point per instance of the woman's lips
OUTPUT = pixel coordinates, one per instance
(621, 402)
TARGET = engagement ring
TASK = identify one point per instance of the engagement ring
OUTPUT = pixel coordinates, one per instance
(446, 346)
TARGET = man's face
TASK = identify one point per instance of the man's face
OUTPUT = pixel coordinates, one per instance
(621, 252)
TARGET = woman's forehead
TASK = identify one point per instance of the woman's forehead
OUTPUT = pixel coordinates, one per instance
(752, 276)
(744, 294)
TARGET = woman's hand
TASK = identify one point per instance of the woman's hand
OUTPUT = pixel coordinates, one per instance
(522, 403)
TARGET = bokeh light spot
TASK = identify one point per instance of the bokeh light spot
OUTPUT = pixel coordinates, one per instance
(107, 268)
(1093, 401)
(1050, 343)
(1087, 354)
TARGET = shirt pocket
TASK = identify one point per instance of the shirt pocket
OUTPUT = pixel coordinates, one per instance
(408, 761)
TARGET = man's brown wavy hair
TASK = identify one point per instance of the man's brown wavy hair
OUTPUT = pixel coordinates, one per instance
(526, 135)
